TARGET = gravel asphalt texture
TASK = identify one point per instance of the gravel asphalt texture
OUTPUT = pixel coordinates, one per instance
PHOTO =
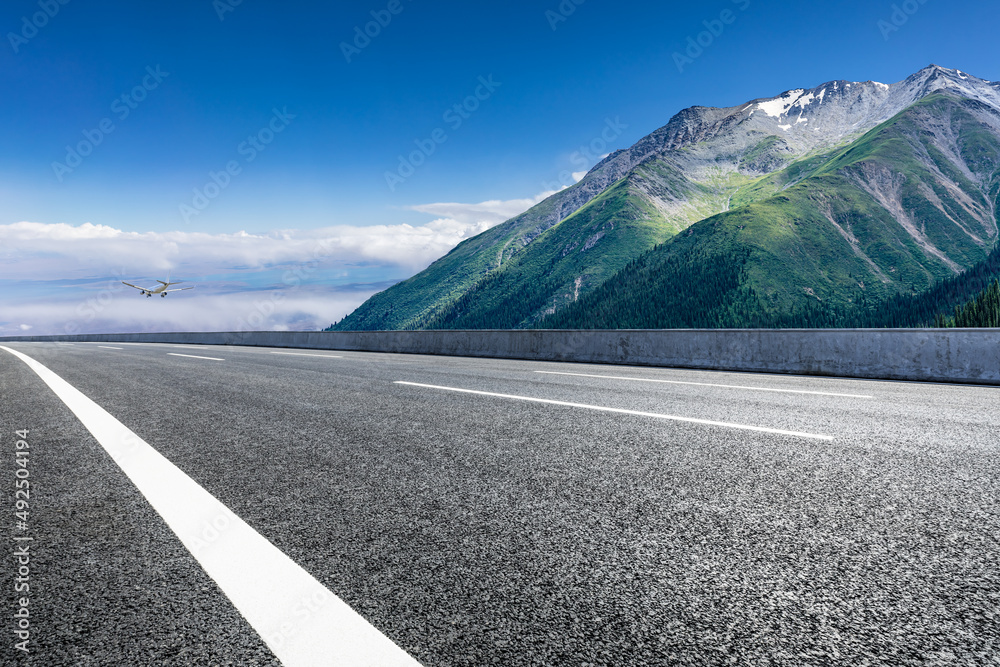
(475, 530)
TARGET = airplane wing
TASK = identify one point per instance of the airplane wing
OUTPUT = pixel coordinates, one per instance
(175, 290)
(143, 289)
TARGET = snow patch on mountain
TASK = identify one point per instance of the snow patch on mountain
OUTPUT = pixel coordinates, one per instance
(779, 106)
(805, 100)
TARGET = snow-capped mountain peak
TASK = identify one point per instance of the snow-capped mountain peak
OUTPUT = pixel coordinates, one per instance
(803, 120)
(830, 113)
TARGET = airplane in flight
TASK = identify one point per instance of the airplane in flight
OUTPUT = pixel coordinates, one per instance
(160, 289)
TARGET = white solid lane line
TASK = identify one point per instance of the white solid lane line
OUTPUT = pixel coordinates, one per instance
(623, 411)
(302, 622)
(707, 384)
(110, 348)
(191, 356)
(303, 354)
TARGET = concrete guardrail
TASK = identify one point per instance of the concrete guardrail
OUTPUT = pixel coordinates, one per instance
(936, 355)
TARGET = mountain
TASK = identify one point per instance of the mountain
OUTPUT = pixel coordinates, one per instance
(911, 203)
(845, 191)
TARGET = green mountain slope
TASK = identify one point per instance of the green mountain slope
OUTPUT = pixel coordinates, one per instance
(911, 203)
(571, 258)
(554, 262)
(650, 205)
(537, 263)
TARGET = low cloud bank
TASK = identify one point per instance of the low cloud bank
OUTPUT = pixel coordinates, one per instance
(59, 278)
(108, 306)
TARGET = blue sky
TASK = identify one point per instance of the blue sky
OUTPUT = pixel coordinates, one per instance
(208, 85)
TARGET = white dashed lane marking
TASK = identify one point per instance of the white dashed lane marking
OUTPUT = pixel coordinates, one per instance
(191, 356)
(707, 384)
(622, 411)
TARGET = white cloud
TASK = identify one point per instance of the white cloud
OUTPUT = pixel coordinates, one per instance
(33, 250)
(108, 306)
(37, 250)
(57, 278)
(578, 175)
(492, 212)
(66, 279)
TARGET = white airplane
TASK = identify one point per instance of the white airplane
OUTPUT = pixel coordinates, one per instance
(161, 289)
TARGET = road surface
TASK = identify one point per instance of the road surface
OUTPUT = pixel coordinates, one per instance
(455, 511)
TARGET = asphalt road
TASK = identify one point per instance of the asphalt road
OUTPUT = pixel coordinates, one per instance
(487, 529)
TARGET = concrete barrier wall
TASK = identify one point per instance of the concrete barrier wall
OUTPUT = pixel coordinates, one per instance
(939, 355)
